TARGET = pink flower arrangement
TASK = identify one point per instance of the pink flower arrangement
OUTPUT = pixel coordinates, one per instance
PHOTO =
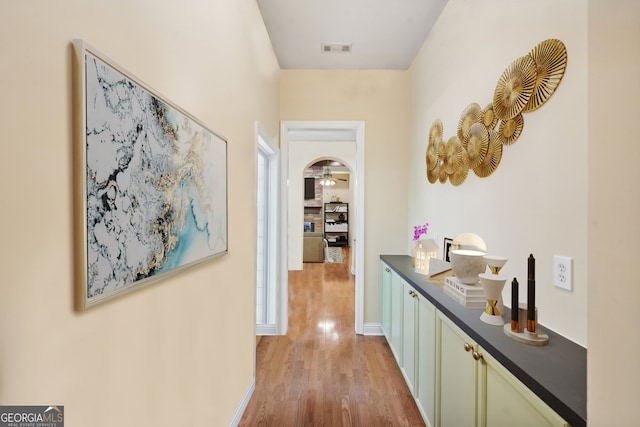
(419, 230)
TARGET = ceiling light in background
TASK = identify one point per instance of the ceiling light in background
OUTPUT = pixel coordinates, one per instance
(327, 178)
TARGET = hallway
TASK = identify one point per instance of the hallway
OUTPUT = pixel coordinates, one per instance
(321, 373)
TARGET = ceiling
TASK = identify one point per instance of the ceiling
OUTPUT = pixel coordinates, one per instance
(381, 34)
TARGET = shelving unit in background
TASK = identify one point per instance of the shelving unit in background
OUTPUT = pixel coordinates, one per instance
(336, 223)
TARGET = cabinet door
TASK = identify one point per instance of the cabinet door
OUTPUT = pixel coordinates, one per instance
(396, 317)
(409, 338)
(385, 300)
(456, 383)
(506, 402)
(426, 363)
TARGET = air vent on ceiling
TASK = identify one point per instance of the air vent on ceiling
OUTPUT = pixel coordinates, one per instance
(336, 48)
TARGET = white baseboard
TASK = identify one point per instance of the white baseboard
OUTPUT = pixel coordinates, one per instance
(372, 329)
(266, 330)
(237, 416)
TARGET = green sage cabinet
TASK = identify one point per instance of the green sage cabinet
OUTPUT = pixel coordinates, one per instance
(408, 323)
(456, 375)
(385, 300)
(474, 389)
(391, 310)
(453, 380)
(506, 402)
(426, 359)
(409, 335)
(396, 316)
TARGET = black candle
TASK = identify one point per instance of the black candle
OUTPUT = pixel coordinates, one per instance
(531, 294)
(515, 310)
(531, 268)
(514, 299)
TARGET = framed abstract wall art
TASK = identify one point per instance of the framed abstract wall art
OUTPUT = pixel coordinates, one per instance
(150, 183)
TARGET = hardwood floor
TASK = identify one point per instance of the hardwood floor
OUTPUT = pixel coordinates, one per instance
(321, 373)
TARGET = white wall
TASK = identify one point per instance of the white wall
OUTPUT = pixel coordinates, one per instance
(536, 201)
(301, 155)
(165, 355)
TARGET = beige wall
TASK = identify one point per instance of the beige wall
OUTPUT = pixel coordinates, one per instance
(614, 213)
(180, 352)
(379, 98)
(536, 201)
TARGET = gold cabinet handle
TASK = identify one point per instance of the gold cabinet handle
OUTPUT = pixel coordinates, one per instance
(387, 270)
(467, 347)
(477, 356)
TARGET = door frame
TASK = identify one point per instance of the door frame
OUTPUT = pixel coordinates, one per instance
(267, 146)
(339, 131)
(270, 233)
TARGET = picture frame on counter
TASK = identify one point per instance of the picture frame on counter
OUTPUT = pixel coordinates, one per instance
(446, 247)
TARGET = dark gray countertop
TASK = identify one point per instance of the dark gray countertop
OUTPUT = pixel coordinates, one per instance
(556, 372)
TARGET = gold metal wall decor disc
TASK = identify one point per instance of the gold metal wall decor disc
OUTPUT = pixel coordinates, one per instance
(433, 174)
(432, 156)
(511, 129)
(452, 155)
(550, 59)
(494, 155)
(471, 114)
(443, 176)
(489, 118)
(435, 132)
(460, 175)
(514, 88)
(478, 144)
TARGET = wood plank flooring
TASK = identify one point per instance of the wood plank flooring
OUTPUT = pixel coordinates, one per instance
(321, 373)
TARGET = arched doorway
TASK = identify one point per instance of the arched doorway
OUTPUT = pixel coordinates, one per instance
(328, 194)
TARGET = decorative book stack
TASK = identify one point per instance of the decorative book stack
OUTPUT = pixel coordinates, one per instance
(469, 296)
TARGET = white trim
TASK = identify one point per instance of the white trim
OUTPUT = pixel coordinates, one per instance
(309, 127)
(360, 242)
(373, 329)
(263, 330)
(237, 416)
(270, 148)
(282, 316)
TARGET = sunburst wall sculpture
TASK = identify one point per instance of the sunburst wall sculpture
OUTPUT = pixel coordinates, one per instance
(526, 84)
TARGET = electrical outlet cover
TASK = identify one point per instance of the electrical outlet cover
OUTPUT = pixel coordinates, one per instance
(562, 272)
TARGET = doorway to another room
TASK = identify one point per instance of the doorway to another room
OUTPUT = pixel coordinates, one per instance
(303, 144)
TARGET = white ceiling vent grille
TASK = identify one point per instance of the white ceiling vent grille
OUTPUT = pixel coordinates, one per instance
(336, 48)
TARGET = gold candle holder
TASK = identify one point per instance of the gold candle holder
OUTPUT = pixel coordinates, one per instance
(495, 263)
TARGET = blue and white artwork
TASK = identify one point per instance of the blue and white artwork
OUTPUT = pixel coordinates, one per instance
(156, 189)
